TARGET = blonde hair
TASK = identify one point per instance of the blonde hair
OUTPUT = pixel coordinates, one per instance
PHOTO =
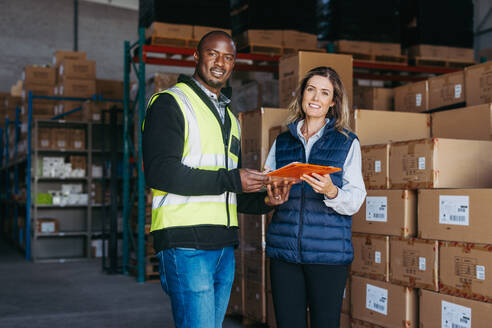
(339, 111)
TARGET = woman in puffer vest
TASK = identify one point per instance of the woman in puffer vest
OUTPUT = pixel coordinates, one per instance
(309, 238)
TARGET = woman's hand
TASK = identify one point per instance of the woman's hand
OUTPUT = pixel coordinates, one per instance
(278, 192)
(321, 184)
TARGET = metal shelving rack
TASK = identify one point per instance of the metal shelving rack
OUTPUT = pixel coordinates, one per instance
(32, 180)
(138, 53)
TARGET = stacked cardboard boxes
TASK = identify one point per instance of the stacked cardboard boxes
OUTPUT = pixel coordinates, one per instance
(41, 82)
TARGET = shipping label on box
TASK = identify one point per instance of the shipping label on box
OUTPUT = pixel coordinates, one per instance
(478, 81)
(472, 123)
(412, 97)
(388, 212)
(441, 310)
(441, 163)
(383, 304)
(371, 256)
(465, 270)
(372, 126)
(455, 214)
(375, 166)
(446, 90)
(414, 262)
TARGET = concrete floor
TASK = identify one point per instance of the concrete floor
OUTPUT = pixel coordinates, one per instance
(77, 295)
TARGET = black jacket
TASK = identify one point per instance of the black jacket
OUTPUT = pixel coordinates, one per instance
(163, 141)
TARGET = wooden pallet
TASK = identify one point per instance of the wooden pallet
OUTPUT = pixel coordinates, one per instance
(286, 51)
(157, 40)
(380, 59)
(439, 62)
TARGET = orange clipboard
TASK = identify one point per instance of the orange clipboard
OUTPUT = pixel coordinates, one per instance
(296, 170)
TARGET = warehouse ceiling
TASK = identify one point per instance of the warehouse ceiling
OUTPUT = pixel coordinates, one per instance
(128, 4)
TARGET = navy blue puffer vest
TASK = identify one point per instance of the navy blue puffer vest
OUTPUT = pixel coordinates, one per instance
(304, 229)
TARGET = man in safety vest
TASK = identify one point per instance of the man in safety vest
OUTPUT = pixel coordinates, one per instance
(191, 151)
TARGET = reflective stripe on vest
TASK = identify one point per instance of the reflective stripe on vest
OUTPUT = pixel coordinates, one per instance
(203, 149)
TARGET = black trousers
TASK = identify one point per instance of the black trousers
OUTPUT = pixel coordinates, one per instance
(295, 286)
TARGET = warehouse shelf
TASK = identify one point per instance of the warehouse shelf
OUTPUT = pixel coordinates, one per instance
(63, 260)
(65, 151)
(60, 206)
(60, 234)
(43, 178)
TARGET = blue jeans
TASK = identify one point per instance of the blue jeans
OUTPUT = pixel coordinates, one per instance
(199, 284)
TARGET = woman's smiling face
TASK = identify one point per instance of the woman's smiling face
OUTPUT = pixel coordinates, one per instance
(317, 97)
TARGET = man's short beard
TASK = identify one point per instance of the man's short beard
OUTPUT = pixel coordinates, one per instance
(210, 83)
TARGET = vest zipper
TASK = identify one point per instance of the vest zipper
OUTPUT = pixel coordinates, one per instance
(301, 219)
(227, 193)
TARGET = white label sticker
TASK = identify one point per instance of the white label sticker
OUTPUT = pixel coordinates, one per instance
(376, 209)
(455, 316)
(480, 272)
(421, 163)
(344, 292)
(377, 299)
(48, 227)
(78, 144)
(421, 263)
(457, 90)
(377, 257)
(454, 210)
(45, 143)
(377, 166)
(418, 99)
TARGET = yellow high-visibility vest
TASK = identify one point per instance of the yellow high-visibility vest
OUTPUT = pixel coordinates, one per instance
(203, 149)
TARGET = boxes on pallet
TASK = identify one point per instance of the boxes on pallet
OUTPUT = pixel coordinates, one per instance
(455, 214)
(441, 163)
(45, 90)
(446, 90)
(200, 31)
(414, 262)
(387, 212)
(441, 52)
(78, 163)
(346, 297)
(353, 47)
(255, 94)
(440, 310)
(413, 97)
(61, 137)
(45, 225)
(265, 38)
(383, 303)
(109, 89)
(299, 40)
(386, 49)
(159, 82)
(464, 270)
(375, 166)
(39, 75)
(378, 127)
(170, 31)
(478, 84)
(45, 139)
(474, 123)
(255, 126)
(76, 139)
(77, 69)
(76, 88)
(377, 98)
(371, 256)
(293, 68)
(61, 55)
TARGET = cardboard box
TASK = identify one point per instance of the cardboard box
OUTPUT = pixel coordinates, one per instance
(485, 54)
(427, 51)
(440, 310)
(172, 31)
(39, 75)
(384, 304)
(76, 139)
(38, 90)
(478, 82)
(293, 68)
(47, 225)
(387, 212)
(377, 98)
(441, 163)
(299, 40)
(413, 97)
(255, 301)
(60, 138)
(267, 38)
(45, 140)
(465, 270)
(77, 69)
(255, 94)
(461, 54)
(200, 31)
(255, 126)
(76, 88)
(455, 214)
(353, 47)
(346, 297)
(110, 89)
(362, 324)
(375, 166)
(161, 81)
(345, 321)
(473, 123)
(378, 127)
(386, 49)
(371, 256)
(414, 262)
(96, 192)
(78, 162)
(446, 90)
(61, 55)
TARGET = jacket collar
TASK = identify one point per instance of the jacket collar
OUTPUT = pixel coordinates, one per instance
(330, 126)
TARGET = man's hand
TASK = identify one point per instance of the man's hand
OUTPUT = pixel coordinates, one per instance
(253, 180)
(278, 192)
(321, 184)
